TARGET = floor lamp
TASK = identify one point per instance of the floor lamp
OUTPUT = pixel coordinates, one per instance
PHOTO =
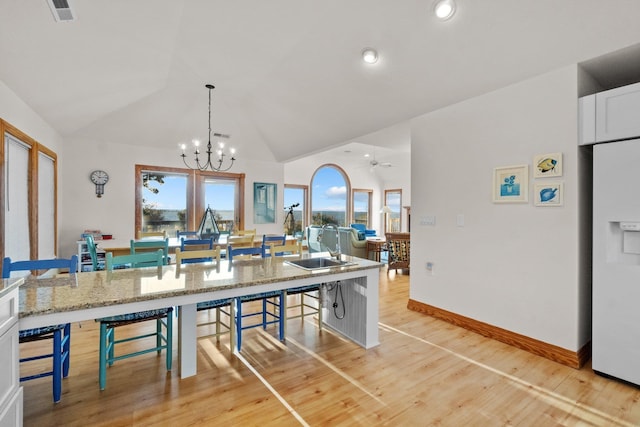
(386, 210)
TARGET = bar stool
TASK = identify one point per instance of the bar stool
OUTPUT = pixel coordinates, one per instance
(108, 325)
(59, 334)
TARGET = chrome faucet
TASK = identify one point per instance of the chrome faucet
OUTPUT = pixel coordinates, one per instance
(337, 253)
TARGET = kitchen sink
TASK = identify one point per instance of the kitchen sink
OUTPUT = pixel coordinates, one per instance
(317, 263)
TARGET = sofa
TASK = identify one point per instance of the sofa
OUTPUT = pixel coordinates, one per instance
(350, 243)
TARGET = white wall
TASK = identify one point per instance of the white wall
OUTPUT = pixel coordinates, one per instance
(114, 213)
(514, 266)
(21, 116)
(301, 171)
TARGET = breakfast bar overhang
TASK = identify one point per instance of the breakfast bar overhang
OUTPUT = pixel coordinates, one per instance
(88, 296)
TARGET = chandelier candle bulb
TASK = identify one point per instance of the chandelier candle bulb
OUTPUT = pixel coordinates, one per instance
(214, 165)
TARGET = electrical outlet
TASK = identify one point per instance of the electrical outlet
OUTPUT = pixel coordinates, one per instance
(429, 267)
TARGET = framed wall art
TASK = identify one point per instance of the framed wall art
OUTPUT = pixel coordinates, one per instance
(548, 193)
(511, 184)
(547, 165)
(264, 203)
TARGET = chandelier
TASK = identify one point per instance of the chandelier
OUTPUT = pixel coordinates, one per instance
(217, 165)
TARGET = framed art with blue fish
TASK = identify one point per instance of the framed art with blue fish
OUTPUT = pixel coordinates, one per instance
(548, 193)
(547, 165)
(511, 184)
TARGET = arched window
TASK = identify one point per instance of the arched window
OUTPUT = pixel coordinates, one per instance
(330, 188)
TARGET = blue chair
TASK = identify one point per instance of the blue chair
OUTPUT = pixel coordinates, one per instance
(162, 316)
(92, 248)
(268, 240)
(364, 230)
(187, 245)
(222, 306)
(60, 334)
(192, 234)
(271, 301)
(142, 246)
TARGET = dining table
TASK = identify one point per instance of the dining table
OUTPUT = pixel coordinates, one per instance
(91, 295)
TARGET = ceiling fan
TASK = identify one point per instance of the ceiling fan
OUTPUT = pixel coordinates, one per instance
(374, 164)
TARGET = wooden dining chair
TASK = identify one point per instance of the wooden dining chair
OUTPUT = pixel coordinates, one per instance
(59, 334)
(249, 232)
(189, 245)
(240, 241)
(222, 306)
(272, 239)
(270, 311)
(142, 246)
(108, 325)
(142, 234)
(92, 248)
(191, 234)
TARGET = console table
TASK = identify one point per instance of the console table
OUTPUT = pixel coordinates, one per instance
(377, 246)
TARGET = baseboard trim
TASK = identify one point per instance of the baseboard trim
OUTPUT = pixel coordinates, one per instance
(540, 348)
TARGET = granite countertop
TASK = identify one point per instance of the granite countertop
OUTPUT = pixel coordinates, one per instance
(99, 289)
(9, 285)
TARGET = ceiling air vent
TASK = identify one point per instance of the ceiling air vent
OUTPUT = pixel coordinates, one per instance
(61, 10)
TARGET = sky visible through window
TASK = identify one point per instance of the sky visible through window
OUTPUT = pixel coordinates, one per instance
(172, 194)
(329, 190)
(329, 194)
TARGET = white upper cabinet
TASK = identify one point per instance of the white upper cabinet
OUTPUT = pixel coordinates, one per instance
(610, 115)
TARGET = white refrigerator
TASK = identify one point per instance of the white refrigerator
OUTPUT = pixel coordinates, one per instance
(616, 260)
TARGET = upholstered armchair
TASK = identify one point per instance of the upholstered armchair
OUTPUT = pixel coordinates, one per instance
(364, 230)
(399, 246)
(351, 244)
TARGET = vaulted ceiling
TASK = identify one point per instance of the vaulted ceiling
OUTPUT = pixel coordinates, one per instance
(288, 73)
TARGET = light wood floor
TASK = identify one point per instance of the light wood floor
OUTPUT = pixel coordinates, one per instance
(424, 373)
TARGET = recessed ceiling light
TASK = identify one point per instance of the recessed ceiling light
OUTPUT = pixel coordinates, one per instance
(369, 55)
(444, 9)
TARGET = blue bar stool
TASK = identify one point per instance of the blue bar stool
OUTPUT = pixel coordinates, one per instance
(60, 334)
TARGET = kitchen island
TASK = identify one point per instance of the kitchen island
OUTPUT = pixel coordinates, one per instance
(87, 296)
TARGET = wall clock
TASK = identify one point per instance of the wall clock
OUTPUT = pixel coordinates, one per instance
(99, 178)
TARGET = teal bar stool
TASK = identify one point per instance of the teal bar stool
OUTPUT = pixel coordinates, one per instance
(108, 325)
(59, 334)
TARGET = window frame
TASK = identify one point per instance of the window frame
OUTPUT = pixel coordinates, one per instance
(386, 220)
(306, 219)
(347, 182)
(195, 193)
(369, 193)
(35, 149)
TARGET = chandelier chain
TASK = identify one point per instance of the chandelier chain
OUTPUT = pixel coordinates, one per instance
(215, 165)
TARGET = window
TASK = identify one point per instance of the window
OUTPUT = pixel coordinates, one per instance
(171, 199)
(295, 200)
(362, 207)
(221, 194)
(164, 201)
(329, 202)
(16, 207)
(29, 186)
(46, 205)
(393, 220)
